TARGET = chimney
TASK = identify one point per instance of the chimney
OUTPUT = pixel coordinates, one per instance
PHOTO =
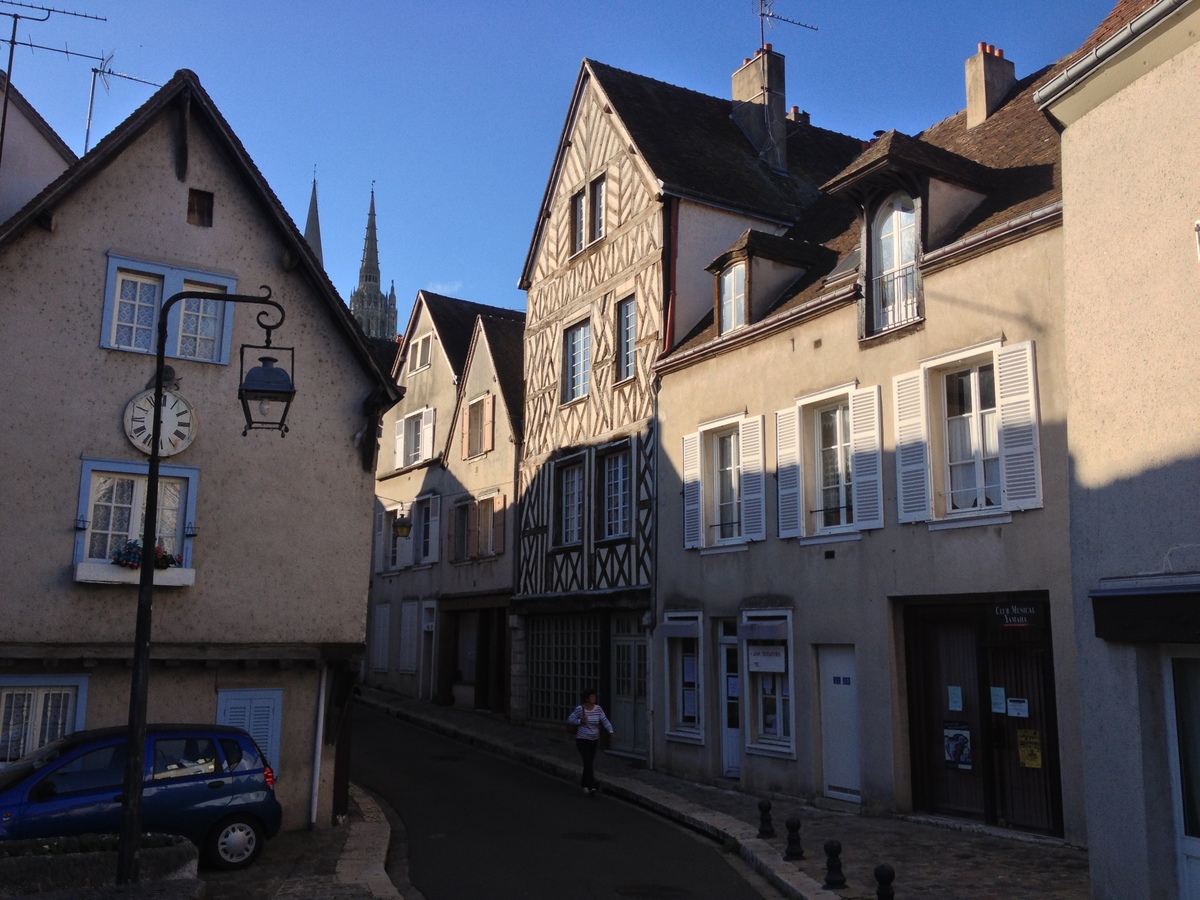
(989, 79)
(758, 106)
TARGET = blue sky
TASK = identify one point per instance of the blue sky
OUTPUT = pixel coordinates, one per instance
(453, 109)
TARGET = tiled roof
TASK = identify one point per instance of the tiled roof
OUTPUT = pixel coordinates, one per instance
(506, 337)
(384, 350)
(454, 320)
(896, 150)
(692, 144)
(1120, 17)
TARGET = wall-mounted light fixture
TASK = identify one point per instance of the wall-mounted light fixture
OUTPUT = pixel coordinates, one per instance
(402, 526)
(81, 524)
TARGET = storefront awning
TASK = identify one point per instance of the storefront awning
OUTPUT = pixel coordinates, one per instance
(1147, 615)
(774, 630)
(678, 628)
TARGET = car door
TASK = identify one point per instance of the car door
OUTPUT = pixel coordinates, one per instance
(78, 795)
(187, 788)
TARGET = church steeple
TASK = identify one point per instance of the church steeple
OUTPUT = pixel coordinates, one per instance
(312, 227)
(375, 311)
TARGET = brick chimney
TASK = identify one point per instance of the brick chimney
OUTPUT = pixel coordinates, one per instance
(758, 105)
(989, 79)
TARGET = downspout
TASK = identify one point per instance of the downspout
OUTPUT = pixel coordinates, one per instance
(317, 741)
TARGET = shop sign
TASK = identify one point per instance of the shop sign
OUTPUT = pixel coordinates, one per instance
(760, 658)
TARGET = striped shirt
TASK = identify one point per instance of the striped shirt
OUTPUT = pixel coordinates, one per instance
(589, 722)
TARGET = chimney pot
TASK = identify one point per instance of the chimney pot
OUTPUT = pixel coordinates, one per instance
(983, 46)
(767, 47)
(1000, 53)
(992, 49)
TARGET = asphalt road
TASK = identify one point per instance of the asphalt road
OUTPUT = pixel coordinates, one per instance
(484, 827)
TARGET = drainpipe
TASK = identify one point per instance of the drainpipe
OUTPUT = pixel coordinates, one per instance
(316, 779)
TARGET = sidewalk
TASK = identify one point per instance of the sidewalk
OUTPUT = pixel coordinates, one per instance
(931, 858)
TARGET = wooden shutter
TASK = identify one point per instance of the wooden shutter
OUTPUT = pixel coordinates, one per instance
(866, 448)
(692, 526)
(427, 433)
(912, 448)
(257, 711)
(465, 413)
(435, 525)
(380, 539)
(398, 446)
(452, 536)
(752, 482)
(1016, 397)
(488, 439)
(473, 548)
(408, 637)
(787, 452)
(498, 524)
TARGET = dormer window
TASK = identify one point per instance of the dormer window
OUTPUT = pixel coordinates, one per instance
(893, 291)
(731, 297)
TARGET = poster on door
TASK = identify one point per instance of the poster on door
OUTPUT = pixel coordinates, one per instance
(957, 739)
(1029, 748)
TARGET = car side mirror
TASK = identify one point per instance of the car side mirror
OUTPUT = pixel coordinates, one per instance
(44, 790)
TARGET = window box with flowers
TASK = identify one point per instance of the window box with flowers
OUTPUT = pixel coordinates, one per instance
(126, 568)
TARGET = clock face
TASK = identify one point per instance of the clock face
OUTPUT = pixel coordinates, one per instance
(178, 422)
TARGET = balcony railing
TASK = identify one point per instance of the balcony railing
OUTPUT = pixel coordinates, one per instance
(894, 300)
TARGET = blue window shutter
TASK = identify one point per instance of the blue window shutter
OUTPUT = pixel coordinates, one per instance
(257, 711)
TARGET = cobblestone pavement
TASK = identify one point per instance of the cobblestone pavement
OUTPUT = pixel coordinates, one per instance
(933, 859)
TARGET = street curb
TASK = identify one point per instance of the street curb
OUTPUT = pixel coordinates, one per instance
(365, 851)
(761, 856)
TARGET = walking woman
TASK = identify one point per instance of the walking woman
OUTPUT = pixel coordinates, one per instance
(588, 716)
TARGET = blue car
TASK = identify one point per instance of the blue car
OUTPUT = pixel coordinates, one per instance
(209, 783)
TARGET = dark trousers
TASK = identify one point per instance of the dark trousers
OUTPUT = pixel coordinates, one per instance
(587, 751)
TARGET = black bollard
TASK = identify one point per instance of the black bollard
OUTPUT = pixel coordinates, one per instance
(794, 850)
(765, 828)
(884, 876)
(833, 865)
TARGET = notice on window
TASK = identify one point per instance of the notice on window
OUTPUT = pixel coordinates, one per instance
(689, 669)
(957, 739)
(1018, 708)
(955, 698)
(998, 700)
(731, 687)
(1029, 748)
(766, 658)
(689, 703)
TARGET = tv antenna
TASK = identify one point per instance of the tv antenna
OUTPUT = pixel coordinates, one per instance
(44, 13)
(766, 15)
(104, 72)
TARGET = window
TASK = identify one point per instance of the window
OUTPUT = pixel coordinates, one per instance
(894, 280)
(837, 488)
(135, 291)
(35, 710)
(616, 494)
(626, 339)
(200, 208)
(463, 525)
(112, 503)
(682, 634)
(426, 514)
(181, 757)
(577, 360)
(596, 209)
(731, 298)
(391, 551)
(980, 437)
(414, 438)
(766, 641)
(381, 628)
(577, 222)
(487, 527)
(258, 711)
(477, 528)
(478, 434)
(570, 504)
(724, 480)
(419, 352)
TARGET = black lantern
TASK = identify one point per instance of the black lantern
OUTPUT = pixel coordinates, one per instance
(266, 390)
(402, 526)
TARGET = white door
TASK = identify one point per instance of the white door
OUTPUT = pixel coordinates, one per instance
(839, 722)
(1183, 728)
(731, 713)
(627, 710)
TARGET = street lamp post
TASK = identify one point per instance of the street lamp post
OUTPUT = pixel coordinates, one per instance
(275, 387)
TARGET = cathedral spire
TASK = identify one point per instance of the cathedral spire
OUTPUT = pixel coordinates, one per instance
(368, 272)
(312, 227)
(374, 310)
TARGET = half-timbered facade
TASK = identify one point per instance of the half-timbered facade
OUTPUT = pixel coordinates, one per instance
(444, 560)
(650, 181)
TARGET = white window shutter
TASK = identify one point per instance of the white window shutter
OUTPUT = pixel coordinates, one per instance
(753, 479)
(427, 433)
(408, 637)
(787, 452)
(380, 539)
(866, 448)
(435, 532)
(488, 442)
(1020, 456)
(398, 446)
(912, 448)
(381, 637)
(691, 491)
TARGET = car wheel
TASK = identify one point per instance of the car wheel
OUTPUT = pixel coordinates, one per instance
(234, 843)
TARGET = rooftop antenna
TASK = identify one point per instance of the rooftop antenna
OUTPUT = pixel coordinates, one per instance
(104, 72)
(46, 12)
(767, 15)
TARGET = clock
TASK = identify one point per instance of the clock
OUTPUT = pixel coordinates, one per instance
(178, 422)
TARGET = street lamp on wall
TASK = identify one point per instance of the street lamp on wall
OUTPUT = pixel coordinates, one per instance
(267, 386)
(402, 526)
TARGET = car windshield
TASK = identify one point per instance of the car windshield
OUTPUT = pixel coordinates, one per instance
(11, 773)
